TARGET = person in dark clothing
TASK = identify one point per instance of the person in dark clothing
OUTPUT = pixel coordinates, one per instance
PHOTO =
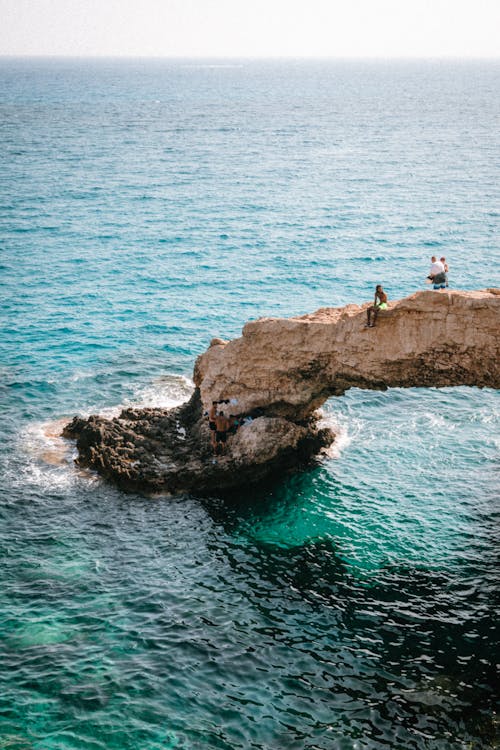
(222, 425)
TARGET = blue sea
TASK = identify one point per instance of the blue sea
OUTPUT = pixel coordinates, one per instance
(147, 206)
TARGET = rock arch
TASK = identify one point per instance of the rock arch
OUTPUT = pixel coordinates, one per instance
(289, 367)
(279, 372)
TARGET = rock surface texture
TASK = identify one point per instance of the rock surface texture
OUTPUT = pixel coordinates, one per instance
(289, 367)
(279, 372)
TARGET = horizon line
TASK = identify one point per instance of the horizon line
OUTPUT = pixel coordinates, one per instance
(370, 58)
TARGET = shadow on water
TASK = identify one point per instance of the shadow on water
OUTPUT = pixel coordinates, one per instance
(263, 500)
(441, 633)
(430, 636)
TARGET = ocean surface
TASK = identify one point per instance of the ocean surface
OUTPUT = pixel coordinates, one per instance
(147, 206)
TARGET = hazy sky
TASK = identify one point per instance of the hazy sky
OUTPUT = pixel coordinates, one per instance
(240, 28)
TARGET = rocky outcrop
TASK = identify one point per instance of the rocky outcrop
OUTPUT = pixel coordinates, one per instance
(289, 367)
(277, 375)
(155, 450)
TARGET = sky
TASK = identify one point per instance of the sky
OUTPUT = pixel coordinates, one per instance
(251, 28)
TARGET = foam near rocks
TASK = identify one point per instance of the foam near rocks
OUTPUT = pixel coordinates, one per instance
(279, 373)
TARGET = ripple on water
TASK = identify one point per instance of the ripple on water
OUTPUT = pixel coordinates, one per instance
(347, 606)
(338, 598)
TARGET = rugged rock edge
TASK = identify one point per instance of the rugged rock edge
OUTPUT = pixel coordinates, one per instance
(169, 452)
(279, 372)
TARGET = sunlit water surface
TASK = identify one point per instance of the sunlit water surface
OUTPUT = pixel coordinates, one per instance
(147, 207)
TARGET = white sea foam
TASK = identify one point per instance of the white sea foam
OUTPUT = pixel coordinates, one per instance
(82, 375)
(164, 393)
(344, 432)
(50, 458)
(43, 440)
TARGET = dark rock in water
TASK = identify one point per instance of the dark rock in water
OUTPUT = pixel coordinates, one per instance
(169, 451)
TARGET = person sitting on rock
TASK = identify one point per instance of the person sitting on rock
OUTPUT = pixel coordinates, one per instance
(222, 425)
(379, 303)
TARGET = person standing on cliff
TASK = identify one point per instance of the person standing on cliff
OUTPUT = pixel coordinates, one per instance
(222, 424)
(436, 268)
(379, 303)
(446, 268)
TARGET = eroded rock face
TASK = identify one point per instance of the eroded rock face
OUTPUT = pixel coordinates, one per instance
(279, 372)
(156, 450)
(289, 367)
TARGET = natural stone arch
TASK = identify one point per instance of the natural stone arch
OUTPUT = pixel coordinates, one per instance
(289, 367)
(279, 372)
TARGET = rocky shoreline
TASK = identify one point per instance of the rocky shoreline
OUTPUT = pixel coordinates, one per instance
(169, 451)
(279, 372)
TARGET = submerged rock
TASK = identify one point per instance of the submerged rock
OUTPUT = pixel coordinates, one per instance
(277, 375)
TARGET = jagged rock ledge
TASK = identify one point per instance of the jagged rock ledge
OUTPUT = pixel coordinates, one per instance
(280, 371)
(168, 451)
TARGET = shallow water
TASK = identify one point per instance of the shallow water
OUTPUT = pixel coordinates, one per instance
(147, 207)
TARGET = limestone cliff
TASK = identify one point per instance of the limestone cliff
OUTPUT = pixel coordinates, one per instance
(279, 372)
(289, 367)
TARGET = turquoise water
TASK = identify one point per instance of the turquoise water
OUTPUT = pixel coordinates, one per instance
(146, 207)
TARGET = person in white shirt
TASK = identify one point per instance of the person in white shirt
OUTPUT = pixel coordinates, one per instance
(436, 267)
(437, 274)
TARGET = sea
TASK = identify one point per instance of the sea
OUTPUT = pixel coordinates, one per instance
(146, 207)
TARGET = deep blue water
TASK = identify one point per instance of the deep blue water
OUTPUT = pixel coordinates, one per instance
(147, 206)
